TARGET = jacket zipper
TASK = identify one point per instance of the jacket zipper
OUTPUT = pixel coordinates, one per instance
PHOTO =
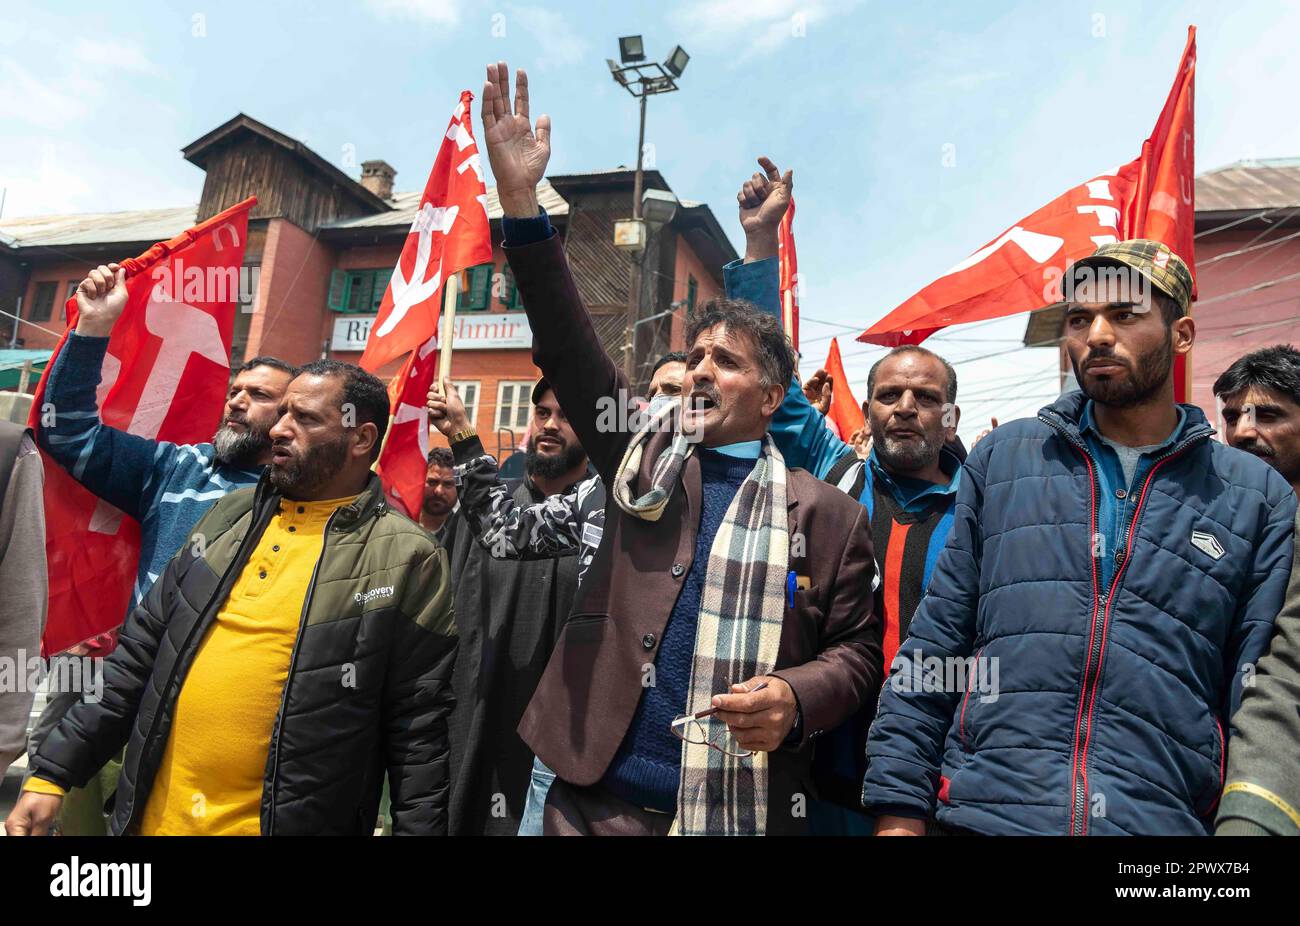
(288, 680)
(203, 621)
(1096, 643)
(961, 721)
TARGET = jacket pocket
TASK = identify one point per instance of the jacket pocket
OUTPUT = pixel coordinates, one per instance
(585, 628)
(965, 701)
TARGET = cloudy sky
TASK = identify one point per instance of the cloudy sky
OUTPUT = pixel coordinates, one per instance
(917, 132)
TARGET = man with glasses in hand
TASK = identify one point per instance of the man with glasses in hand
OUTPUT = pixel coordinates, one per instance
(723, 581)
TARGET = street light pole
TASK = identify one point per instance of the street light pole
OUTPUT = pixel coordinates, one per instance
(640, 78)
(634, 281)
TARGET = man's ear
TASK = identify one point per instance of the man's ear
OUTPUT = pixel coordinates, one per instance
(951, 418)
(772, 399)
(366, 434)
(1183, 333)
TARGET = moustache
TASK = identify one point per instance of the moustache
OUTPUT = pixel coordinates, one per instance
(712, 394)
(1258, 450)
(1101, 354)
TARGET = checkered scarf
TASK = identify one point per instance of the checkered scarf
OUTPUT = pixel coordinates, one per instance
(742, 608)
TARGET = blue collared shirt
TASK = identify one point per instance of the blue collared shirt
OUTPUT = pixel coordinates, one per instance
(1117, 502)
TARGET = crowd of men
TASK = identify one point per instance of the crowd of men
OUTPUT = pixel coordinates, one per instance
(719, 618)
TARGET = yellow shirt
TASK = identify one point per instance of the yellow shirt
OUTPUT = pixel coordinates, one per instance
(210, 779)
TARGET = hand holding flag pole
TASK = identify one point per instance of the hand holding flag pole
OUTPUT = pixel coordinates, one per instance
(450, 233)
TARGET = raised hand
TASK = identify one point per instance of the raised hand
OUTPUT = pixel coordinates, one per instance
(101, 297)
(763, 200)
(517, 152)
(818, 389)
(446, 410)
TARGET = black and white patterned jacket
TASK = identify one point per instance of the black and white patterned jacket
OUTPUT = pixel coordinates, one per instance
(568, 523)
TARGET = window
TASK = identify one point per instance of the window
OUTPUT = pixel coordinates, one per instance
(477, 289)
(239, 340)
(692, 291)
(358, 291)
(469, 395)
(72, 291)
(43, 303)
(510, 297)
(513, 405)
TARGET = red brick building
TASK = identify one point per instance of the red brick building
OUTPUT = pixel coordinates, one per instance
(1247, 272)
(324, 245)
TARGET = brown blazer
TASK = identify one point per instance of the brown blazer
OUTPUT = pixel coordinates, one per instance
(830, 651)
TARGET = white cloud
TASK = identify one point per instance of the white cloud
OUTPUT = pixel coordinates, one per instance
(29, 99)
(443, 12)
(749, 28)
(115, 54)
(558, 45)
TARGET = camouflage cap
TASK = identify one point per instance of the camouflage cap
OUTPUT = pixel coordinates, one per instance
(1164, 269)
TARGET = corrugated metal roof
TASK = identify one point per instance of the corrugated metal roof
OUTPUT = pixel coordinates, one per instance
(161, 224)
(1265, 184)
(99, 227)
(407, 204)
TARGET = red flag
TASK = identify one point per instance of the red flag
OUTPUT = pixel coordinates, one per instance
(404, 460)
(1021, 269)
(164, 378)
(449, 234)
(789, 263)
(845, 413)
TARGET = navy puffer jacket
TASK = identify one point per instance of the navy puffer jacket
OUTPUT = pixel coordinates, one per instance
(1109, 707)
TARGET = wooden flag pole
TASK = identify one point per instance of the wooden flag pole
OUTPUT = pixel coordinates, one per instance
(448, 325)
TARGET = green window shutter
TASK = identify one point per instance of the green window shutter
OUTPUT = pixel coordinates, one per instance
(464, 297)
(382, 276)
(360, 284)
(338, 290)
(507, 286)
(478, 289)
(692, 291)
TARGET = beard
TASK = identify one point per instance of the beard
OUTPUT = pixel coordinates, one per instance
(240, 450)
(304, 474)
(553, 465)
(907, 456)
(1287, 465)
(1146, 378)
(435, 506)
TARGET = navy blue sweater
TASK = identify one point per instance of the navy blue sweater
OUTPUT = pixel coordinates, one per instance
(647, 766)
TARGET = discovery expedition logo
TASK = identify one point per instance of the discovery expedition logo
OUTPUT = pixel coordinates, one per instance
(76, 878)
(384, 591)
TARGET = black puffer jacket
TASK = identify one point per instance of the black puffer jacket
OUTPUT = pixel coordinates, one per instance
(369, 681)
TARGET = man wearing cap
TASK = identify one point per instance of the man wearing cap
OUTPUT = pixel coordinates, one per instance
(1113, 571)
(508, 613)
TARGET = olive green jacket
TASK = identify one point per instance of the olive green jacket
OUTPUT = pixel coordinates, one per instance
(1261, 795)
(369, 685)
